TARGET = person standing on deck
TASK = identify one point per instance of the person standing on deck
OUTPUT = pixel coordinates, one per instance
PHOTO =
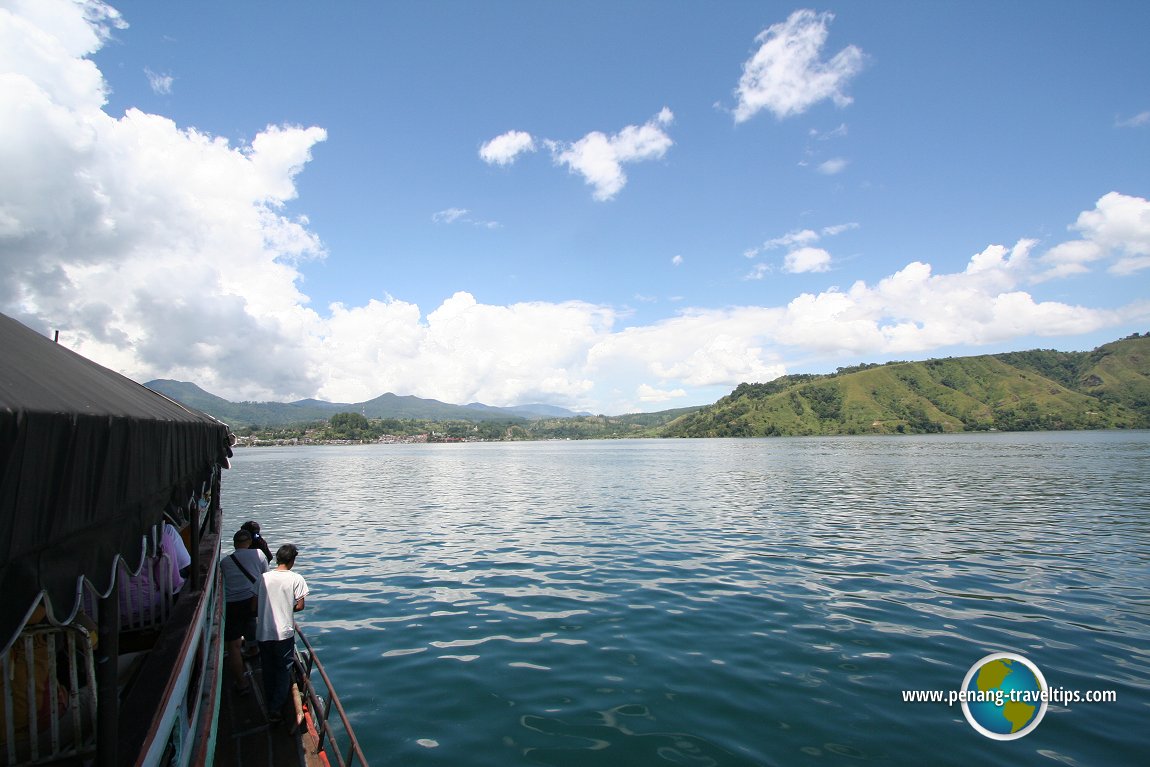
(281, 595)
(242, 570)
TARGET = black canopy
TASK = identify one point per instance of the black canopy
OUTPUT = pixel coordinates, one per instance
(88, 461)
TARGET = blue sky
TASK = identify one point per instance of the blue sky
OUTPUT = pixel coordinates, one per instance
(607, 206)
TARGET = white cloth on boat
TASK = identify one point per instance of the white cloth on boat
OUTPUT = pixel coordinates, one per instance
(177, 552)
(278, 593)
(146, 597)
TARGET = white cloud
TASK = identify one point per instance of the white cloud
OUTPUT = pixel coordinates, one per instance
(786, 75)
(833, 166)
(807, 260)
(831, 231)
(1069, 258)
(838, 132)
(449, 215)
(699, 348)
(161, 84)
(1118, 222)
(461, 216)
(915, 310)
(1120, 225)
(463, 351)
(650, 394)
(790, 239)
(1137, 121)
(505, 149)
(996, 258)
(758, 272)
(1117, 229)
(676, 261)
(46, 42)
(801, 255)
(153, 248)
(599, 158)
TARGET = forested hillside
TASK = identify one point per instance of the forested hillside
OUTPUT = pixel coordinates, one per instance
(1041, 389)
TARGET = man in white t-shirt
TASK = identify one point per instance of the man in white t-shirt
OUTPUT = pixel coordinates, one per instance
(281, 595)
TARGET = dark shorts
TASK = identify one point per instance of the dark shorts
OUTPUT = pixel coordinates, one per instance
(236, 617)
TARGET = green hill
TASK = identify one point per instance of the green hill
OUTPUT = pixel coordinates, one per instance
(631, 425)
(238, 414)
(1041, 389)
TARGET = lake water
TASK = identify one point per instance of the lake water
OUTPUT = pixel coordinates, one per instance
(717, 602)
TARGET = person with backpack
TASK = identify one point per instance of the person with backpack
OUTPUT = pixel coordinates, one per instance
(242, 570)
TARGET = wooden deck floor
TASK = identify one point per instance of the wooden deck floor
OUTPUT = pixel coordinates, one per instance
(245, 738)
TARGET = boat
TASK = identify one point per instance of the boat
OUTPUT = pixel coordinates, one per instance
(111, 649)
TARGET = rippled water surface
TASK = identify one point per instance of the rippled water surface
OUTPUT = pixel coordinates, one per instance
(717, 602)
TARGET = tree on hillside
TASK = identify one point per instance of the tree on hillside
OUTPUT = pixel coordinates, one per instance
(348, 423)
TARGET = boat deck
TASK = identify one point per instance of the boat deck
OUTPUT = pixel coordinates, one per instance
(245, 738)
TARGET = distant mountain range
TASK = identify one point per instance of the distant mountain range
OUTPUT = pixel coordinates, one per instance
(265, 414)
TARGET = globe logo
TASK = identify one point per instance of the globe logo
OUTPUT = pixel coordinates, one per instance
(1004, 696)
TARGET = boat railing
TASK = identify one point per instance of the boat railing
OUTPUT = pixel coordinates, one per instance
(47, 703)
(322, 708)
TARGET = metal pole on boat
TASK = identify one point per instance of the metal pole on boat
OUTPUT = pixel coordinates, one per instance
(107, 683)
(195, 548)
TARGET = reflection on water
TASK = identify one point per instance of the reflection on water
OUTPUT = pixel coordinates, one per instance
(716, 602)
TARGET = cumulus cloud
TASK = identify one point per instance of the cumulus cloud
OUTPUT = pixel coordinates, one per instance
(648, 393)
(676, 261)
(462, 351)
(801, 255)
(1118, 230)
(786, 75)
(1119, 225)
(914, 310)
(505, 149)
(152, 247)
(698, 348)
(599, 158)
(807, 260)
